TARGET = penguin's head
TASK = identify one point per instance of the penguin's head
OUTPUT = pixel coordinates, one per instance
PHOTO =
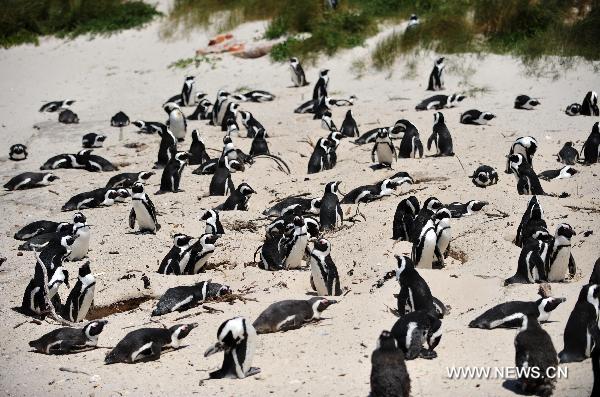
(565, 230)
(442, 213)
(546, 305)
(315, 206)
(208, 239)
(401, 178)
(227, 140)
(18, 149)
(245, 189)
(137, 188)
(79, 218)
(387, 342)
(515, 161)
(332, 187)
(382, 133)
(298, 221)
(323, 72)
(293, 60)
(111, 194)
(488, 116)
(182, 157)
(145, 175)
(596, 129)
(50, 177)
(207, 215)
(235, 165)
(295, 209)
(573, 109)
(335, 137)
(410, 205)
(67, 241)
(323, 245)
(432, 204)
(594, 98)
(170, 106)
(84, 269)
(180, 331)
(68, 103)
(100, 138)
(223, 290)
(438, 117)
(190, 79)
(181, 240)
(319, 304)
(476, 205)
(139, 124)
(404, 263)
(94, 328)
(591, 294)
(195, 135)
(440, 61)
(123, 193)
(245, 115)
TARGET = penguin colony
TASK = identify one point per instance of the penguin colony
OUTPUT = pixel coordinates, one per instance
(296, 231)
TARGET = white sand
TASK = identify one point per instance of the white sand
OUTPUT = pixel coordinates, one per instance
(129, 72)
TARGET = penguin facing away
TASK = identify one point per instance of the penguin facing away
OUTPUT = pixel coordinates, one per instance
(389, 375)
(68, 340)
(436, 78)
(404, 217)
(142, 211)
(81, 297)
(589, 106)
(290, 314)
(591, 147)
(330, 214)
(440, 137)
(349, 128)
(568, 154)
(197, 150)
(324, 276)
(581, 331)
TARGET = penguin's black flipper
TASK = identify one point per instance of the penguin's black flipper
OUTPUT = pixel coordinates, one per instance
(572, 266)
(430, 141)
(132, 219)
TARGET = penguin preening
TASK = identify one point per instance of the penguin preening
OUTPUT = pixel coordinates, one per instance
(404, 218)
(290, 314)
(436, 78)
(17, 152)
(568, 154)
(526, 146)
(410, 145)
(81, 297)
(532, 224)
(440, 137)
(67, 340)
(414, 292)
(389, 376)
(298, 77)
(324, 276)
(202, 111)
(528, 182)
(186, 297)
(582, 334)
(508, 314)
(484, 176)
(29, 180)
(200, 252)
(35, 297)
(591, 147)
(142, 211)
(415, 329)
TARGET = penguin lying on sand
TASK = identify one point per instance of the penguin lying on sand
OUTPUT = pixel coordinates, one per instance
(307, 205)
(565, 172)
(68, 340)
(55, 106)
(128, 179)
(238, 199)
(368, 193)
(508, 314)
(459, 210)
(94, 199)
(438, 102)
(40, 227)
(484, 176)
(30, 180)
(17, 152)
(526, 102)
(568, 154)
(476, 117)
(92, 140)
(389, 376)
(186, 297)
(67, 116)
(290, 314)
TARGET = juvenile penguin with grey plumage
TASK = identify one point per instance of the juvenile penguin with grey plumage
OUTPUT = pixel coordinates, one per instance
(389, 376)
(440, 137)
(415, 329)
(67, 340)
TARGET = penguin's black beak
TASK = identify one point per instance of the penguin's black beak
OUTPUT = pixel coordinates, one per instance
(217, 347)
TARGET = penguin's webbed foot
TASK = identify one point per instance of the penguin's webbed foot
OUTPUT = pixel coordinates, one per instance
(427, 354)
(253, 371)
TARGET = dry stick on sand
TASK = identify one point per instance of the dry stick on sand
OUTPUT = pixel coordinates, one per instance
(577, 208)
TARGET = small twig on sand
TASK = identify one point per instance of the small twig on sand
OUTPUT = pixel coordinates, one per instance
(52, 191)
(73, 371)
(577, 208)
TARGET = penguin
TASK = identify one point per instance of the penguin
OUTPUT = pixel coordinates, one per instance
(438, 102)
(327, 122)
(527, 180)
(81, 234)
(581, 334)
(298, 77)
(349, 128)
(324, 276)
(236, 337)
(506, 315)
(573, 109)
(410, 145)
(531, 266)
(251, 124)
(368, 193)
(443, 232)
(430, 207)
(186, 297)
(232, 127)
(271, 257)
(425, 252)
(30, 180)
(532, 222)
(415, 329)
(385, 150)
(294, 247)
(368, 137)
(93, 140)
(595, 276)
(39, 240)
(238, 199)
(322, 106)
(589, 106)
(202, 111)
(197, 150)
(34, 297)
(81, 297)
(484, 176)
(440, 136)
(334, 138)
(404, 218)
(93, 199)
(591, 147)
(259, 144)
(254, 96)
(565, 172)
(142, 211)
(525, 102)
(55, 252)
(17, 152)
(221, 100)
(568, 154)
(308, 106)
(458, 210)
(67, 116)
(291, 314)
(59, 161)
(93, 163)
(389, 375)
(178, 256)
(413, 22)
(320, 90)
(146, 344)
(213, 223)
(534, 350)
(128, 179)
(526, 146)
(177, 122)
(171, 176)
(221, 183)
(120, 119)
(54, 106)
(307, 206)
(147, 127)
(37, 228)
(436, 78)
(167, 147)
(319, 160)
(558, 259)
(67, 340)
(330, 213)
(188, 91)
(200, 253)
(414, 291)
(229, 113)
(229, 150)
(476, 117)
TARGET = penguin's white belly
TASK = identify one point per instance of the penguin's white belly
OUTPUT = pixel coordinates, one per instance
(177, 127)
(201, 262)
(558, 269)
(142, 216)
(250, 348)
(295, 78)
(86, 304)
(294, 259)
(80, 247)
(18, 156)
(444, 240)
(317, 277)
(428, 251)
(384, 154)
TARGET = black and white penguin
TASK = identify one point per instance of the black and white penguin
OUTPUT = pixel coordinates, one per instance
(221, 183)
(34, 297)
(532, 223)
(213, 222)
(147, 127)
(271, 257)
(330, 214)
(186, 297)
(589, 106)
(441, 221)
(60, 161)
(92, 162)
(319, 160)
(507, 314)
(92, 140)
(54, 106)
(40, 238)
(573, 109)
(297, 72)
(568, 154)
(484, 176)
(178, 256)
(200, 253)
(197, 150)
(120, 119)
(37, 228)
(527, 180)
(436, 78)
(368, 193)
(327, 122)
(171, 176)
(55, 252)
(291, 314)
(534, 350)
(238, 199)
(236, 338)
(476, 117)
(67, 116)
(526, 146)
(142, 211)
(389, 376)
(177, 122)
(565, 172)
(188, 91)
(411, 144)
(259, 144)
(128, 179)
(221, 101)
(334, 138)
(146, 344)
(591, 147)
(320, 90)
(404, 218)
(17, 152)
(307, 206)
(581, 332)
(526, 102)
(67, 340)
(95, 198)
(81, 234)
(324, 277)
(440, 137)
(81, 297)
(255, 96)
(293, 247)
(415, 329)
(229, 116)
(425, 252)
(385, 150)
(167, 147)
(458, 210)
(369, 136)
(30, 180)
(414, 292)
(349, 128)
(252, 125)
(438, 102)
(202, 111)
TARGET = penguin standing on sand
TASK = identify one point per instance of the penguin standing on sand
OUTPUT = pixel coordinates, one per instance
(168, 145)
(81, 233)
(252, 125)
(142, 211)
(200, 253)
(589, 106)
(349, 128)
(320, 90)
(67, 340)
(443, 232)
(319, 160)
(294, 247)
(81, 297)
(197, 150)
(171, 176)
(236, 337)
(324, 276)
(528, 181)
(188, 296)
(213, 223)
(414, 292)
(34, 297)
(221, 183)
(389, 376)
(298, 77)
(229, 115)
(202, 111)
(385, 150)
(178, 256)
(436, 78)
(146, 344)
(441, 137)
(410, 145)
(415, 329)
(534, 349)
(291, 314)
(29, 180)
(217, 110)
(430, 207)
(188, 91)
(484, 176)
(176, 122)
(331, 215)
(581, 332)
(404, 218)
(259, 144)
(507, 314)
(568, 154)
(425, 251)
(591, 147)
(17, 152)
(526, 102)
(238, 199)
(526, 146)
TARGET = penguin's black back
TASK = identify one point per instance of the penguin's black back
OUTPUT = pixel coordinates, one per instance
(135, 340)
(389, 376)
(330, 206)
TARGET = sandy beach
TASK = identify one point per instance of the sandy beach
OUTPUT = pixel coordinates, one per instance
(129, 72)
